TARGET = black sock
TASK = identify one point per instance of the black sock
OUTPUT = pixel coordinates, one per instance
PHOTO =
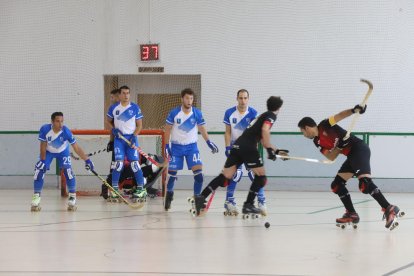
(346, 200)
(213, 185)
(254, 189)
(379, 197)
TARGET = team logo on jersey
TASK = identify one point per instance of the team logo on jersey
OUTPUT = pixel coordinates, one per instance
(192, 121)
(234, 120)
(61, 138)
(49, 138)
(130, 112)
(117, 112)
(178, 121)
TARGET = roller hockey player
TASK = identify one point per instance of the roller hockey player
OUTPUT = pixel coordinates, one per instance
(125, 118)
(54, 143)
(329, 138)
(182, 126)
(244, 150)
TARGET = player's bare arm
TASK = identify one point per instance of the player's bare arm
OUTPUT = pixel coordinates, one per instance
(167, 133)
(110, 123)
(266, 137)
(79, 151)
(340, 116)
(203, 132)
(227, 136)
(43, 146)
(333, 154)
(138, 128)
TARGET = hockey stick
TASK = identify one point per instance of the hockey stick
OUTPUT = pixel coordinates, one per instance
(142, 152)
(306, 159)
(364, 102)
(134, 206)
(89, 154)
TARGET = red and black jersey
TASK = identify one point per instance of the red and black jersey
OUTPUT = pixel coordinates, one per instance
(329, 135)
(254, 132)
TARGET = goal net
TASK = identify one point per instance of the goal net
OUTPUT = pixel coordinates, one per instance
(94, 143)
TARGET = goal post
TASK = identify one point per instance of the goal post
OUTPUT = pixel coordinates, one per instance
(94, 143)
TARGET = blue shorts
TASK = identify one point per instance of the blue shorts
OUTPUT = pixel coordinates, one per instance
(63, 159)
(191, 154)
(121, 148)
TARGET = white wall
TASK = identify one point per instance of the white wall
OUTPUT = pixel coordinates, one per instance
(53, 55)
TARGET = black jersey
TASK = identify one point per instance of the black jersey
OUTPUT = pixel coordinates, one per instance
(253, 133)
(329, 136)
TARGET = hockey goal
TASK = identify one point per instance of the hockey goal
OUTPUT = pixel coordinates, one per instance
(94, 143)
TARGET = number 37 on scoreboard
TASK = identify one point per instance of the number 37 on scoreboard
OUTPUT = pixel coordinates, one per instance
(149, 52)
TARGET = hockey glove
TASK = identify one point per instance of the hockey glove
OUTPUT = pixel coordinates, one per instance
(359, 109)
(282, 152)
(110, 146)
(40, 165)
(89, 165)
(168, 152)
(271, 154)
(343, 143)
(212, 146)
(227, 152)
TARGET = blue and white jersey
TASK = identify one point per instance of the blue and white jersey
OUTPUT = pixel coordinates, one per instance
(184, 129)
(125, 116)
(56, 142)
(238, 121)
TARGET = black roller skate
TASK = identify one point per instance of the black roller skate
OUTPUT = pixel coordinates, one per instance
(347, 219)
(250, 211)
(139, 195)
(390, 216)
(169, 196)
(72, 202)
(199, 204)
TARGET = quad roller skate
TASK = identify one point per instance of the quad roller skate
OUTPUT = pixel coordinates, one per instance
(347, 219)
(139, 195)
(198, 205)
(250, 211)
(35, 206)
(230, 208)
(390, 216)
(169, 196)
(114, 197)
(72, 202)
(263, 208)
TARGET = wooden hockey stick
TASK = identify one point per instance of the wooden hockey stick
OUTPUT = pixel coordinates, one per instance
(306, 159)
(363, 104)
(134, 206)
(164, 164)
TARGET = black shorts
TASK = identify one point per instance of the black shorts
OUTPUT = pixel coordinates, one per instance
(358, 160)
(244, 153)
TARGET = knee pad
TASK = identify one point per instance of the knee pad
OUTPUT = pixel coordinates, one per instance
(68, 173)
(135, 166)
(338, 185)
(220, 180)
(260, 181)
(39, 174)
(119, 165)
(238, 175)
(367, 186)
(251, 175)
(198, 176)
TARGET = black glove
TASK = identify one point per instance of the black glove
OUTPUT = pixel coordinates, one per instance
(110, 146)
(282, 152)
(358, 108)
(343, 143)
(271, 154)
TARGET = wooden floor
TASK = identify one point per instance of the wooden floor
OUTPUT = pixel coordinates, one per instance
(111, 239)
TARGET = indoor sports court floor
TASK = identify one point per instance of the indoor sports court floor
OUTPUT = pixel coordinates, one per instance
(110, 239)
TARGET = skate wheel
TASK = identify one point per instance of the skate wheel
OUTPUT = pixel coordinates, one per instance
(245, 216)
(355, 226)
(193, 212)
(225, 213)
(401, 214)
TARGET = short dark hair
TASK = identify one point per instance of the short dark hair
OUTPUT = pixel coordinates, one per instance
(241, 91)
(274, 103)
(306, 121)
(187, 91)
(115, 91)
(56, 114)
(123, 87)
